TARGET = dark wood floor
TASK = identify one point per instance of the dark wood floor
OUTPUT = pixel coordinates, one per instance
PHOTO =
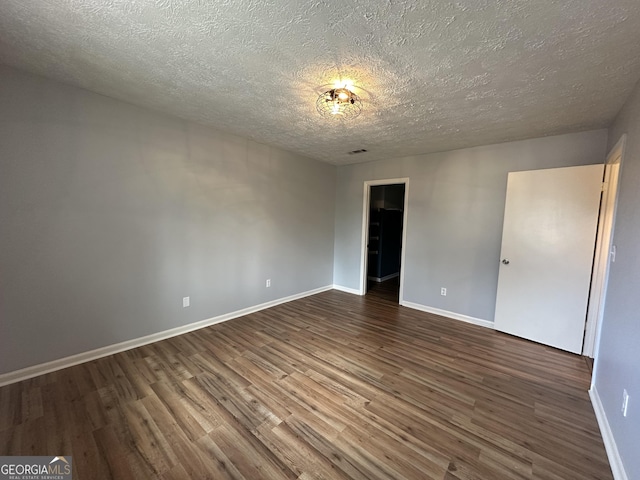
(332, 386)
(388, 290)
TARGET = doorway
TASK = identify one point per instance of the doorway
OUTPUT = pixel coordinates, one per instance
(605, 252)
(384, 233)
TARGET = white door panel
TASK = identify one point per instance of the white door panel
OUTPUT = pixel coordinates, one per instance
(548, 239)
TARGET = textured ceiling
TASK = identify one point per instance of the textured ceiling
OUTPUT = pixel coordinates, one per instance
(433, 75)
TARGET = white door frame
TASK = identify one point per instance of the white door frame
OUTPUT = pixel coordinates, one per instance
(366, 199)
(606, 222)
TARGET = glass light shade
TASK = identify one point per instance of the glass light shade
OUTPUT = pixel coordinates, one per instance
(339, 103)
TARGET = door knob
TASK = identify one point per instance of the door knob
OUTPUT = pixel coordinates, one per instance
(505, 261)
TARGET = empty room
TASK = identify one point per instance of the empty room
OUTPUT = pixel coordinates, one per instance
(320, 240)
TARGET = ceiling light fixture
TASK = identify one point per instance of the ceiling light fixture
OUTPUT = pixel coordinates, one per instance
(339, 102)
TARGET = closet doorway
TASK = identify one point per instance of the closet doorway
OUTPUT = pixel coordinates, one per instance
(384, 221)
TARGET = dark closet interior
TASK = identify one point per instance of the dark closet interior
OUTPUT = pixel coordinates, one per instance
(385, 234)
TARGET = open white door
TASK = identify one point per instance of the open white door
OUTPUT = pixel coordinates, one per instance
(548, 242)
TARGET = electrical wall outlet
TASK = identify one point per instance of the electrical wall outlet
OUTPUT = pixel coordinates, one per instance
(625, 402)
(186, 301)
(268, 282)
(443, 292)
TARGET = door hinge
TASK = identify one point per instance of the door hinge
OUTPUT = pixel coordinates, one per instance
(604, 187)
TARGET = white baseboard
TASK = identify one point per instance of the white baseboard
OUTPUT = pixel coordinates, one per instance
(615, 461)
(383, 279)
(445, 313)
(48, 367)
(347, 289)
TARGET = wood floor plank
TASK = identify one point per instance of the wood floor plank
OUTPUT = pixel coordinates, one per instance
(223, 467)
(192, 461)
(10, 406)
(31, 438)
(342, 458)
(332, 386)
(151, 447)
(249, 455)
(87, 458)
(172, 397)
(297, 454)
(32, 404)
(389, 451)
(115, 455)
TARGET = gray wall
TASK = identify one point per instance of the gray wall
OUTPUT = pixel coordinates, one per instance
(110, 214)
(618, 359)
(456, 206)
